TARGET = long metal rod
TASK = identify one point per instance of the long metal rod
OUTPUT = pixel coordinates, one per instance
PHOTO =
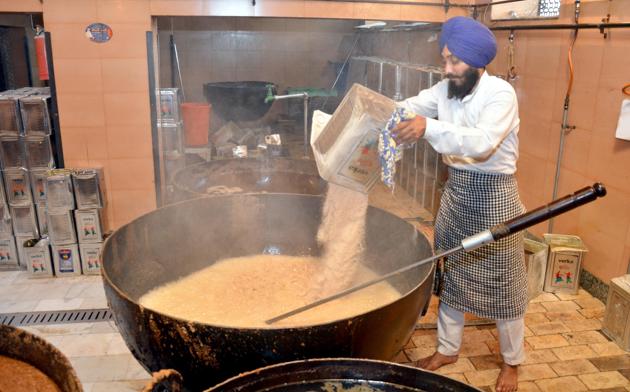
(345, 62)
(398, 84)
(567, 26)
(565, 114)
(305, 96)
(179, 71)
(54, 107)
(363, 285)
(306, 145)
(289, 96)
(380, 78)
(556, 178)
(155, 135)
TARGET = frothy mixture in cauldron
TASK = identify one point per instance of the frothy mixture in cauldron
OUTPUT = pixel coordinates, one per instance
(245, 291)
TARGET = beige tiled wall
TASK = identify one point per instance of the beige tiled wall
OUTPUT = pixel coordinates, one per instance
(591, 151)
(103, 97)
(20, 6)
(287, 52)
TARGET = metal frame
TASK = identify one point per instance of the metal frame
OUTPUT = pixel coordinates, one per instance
(56, 317)
(54, 109)
(157, 166)
(565, 26)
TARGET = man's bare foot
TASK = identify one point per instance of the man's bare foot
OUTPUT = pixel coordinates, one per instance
(508, 379)
(436, 361)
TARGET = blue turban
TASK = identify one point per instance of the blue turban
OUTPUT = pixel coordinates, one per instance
(469, 40)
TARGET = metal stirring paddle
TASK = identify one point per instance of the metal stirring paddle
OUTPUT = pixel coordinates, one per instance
(495, 233)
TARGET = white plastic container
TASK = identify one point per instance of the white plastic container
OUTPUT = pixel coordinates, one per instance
(6, 229)
(38, 260)
(58, 189)
(88, 188)
(345, 145)
(20, 242)
(42, 219)
(616, 323)
(90, 226)
(8, 253)
(39, 152)
(67, 260)
(91, 258)
(61, 229)
(18, 186)
(24, 221)
(564, 264)
(536, 253)
(38, 184)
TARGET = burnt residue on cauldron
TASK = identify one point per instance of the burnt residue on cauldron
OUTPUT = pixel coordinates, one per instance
(199, 349)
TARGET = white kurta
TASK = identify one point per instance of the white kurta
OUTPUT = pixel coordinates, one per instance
(479, 132)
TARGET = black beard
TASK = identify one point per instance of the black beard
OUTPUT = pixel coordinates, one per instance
(471, 77)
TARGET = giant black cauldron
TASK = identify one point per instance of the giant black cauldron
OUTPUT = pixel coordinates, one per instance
(341, 374)
(174, 241)
(238, 101)
(248, 175)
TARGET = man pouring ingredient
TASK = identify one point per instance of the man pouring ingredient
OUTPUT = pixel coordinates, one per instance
(471, 118)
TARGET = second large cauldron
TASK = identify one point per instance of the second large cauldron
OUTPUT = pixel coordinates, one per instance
(177, 240)
(248, 175)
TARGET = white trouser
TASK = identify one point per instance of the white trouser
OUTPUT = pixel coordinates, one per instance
(451, 328)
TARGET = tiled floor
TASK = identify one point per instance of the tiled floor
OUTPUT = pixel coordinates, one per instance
(96, 350)
(565, 349)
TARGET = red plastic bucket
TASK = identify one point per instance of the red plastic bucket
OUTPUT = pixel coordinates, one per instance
(196, 116)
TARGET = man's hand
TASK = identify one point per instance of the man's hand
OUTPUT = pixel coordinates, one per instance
(410, 131)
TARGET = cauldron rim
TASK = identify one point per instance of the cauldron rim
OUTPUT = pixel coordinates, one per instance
(54, 354)
(268, 368)
(194, 323)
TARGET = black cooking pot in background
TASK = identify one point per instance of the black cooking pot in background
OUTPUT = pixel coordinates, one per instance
(175, 241)
(238, 101)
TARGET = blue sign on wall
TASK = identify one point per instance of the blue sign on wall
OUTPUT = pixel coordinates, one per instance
(99, 32)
